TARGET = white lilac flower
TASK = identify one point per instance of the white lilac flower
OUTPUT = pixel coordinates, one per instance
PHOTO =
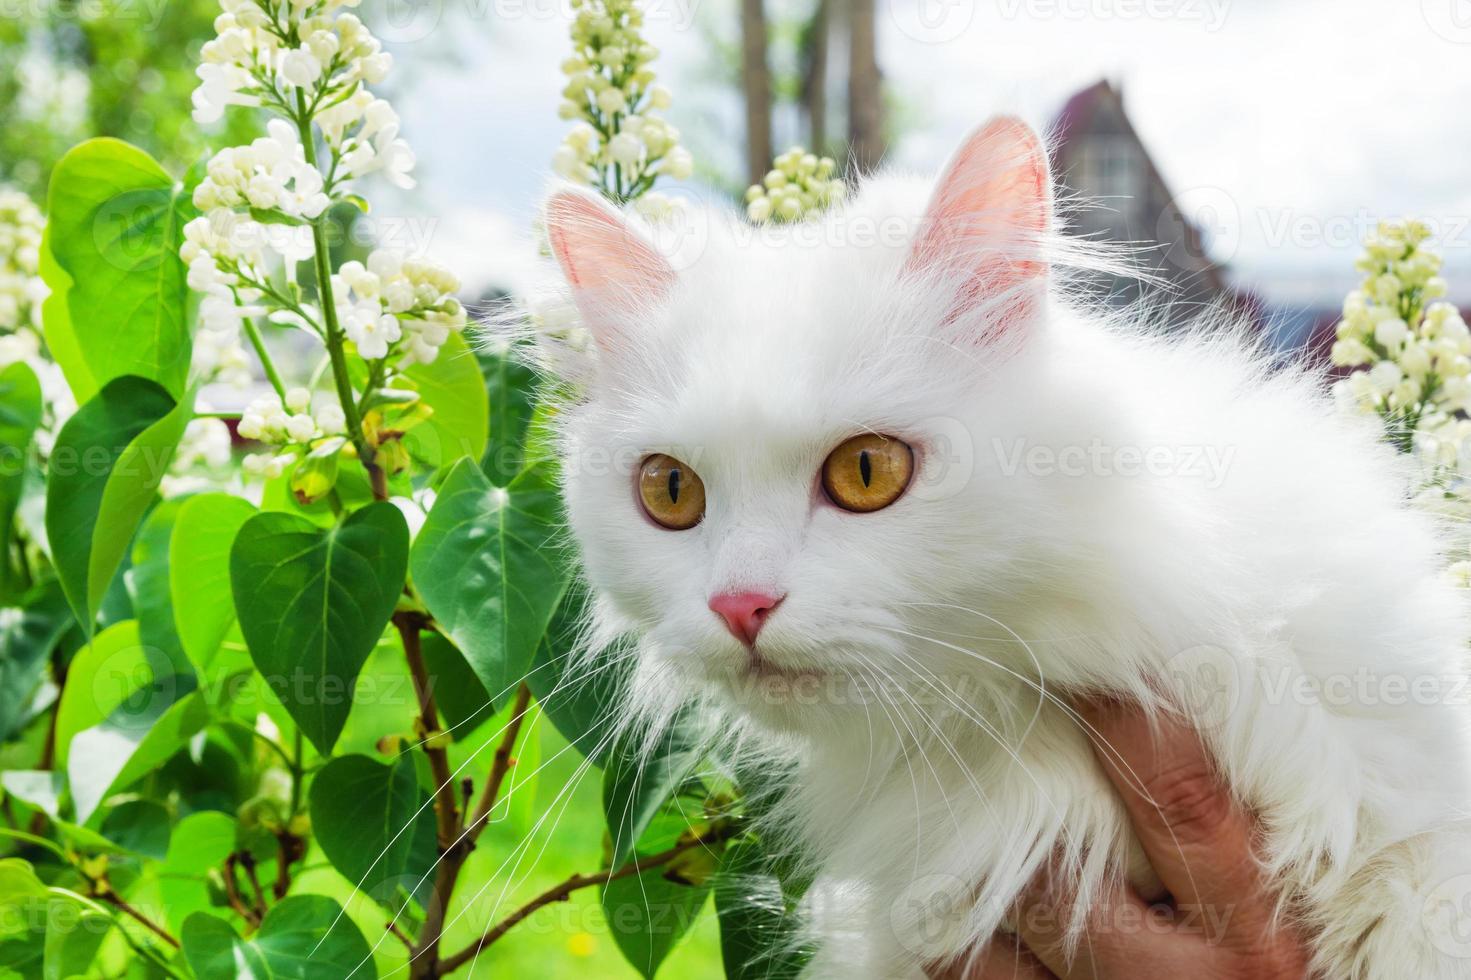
(1410, 360)
(799, 185)
(618, 143)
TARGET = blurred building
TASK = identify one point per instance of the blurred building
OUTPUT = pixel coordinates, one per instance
(1112, 191)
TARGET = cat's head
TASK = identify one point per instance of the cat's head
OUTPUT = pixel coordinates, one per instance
(774, 472)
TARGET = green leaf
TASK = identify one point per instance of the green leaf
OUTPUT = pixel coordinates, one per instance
(452, 386)
(23, 911)
(362, 814)
(140, 826)
(61, 339)
(115, 670)
(20, 414)
(116, 221)
(510, 386)
(579, 694)
(41, 788)
(129, 745)
(637, 784)
(485, 563)
(74, 933)
(106, 465)
(760, 934)
(199, 571)
(312, 604)
(148, 582)
(28, 634)
(457, 691)
(200, 843)
(648, 915)
(303, 937)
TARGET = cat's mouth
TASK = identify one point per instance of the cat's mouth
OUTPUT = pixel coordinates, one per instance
(762, 668)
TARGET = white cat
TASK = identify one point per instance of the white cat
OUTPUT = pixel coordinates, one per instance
(872, 490)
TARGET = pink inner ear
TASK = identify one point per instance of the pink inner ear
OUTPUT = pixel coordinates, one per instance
(988, 213)
(604, 260)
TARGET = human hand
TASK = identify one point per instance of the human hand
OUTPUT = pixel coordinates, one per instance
(1222, 923)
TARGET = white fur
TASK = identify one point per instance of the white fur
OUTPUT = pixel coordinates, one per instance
(985, 586)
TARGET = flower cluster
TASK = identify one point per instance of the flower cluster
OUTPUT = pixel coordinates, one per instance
(620, 143)
(799, 185)
(309, 62)
(21, 294)
(1410, 355)
(21, 289)
(291, 423)
(398, 304)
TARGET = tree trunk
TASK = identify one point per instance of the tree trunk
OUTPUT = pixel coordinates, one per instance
(814, 77)
(865, 90)
(756, 83)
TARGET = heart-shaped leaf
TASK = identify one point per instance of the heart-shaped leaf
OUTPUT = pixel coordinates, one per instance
(312, 604)
(509, 385)
(115, 223)
(637, 783)
(147, 581)
(28, 634)
(580, 695)
(760, 928)
(451, 385)
(304, 937)
(362, 815)
(20, 414)
(648, 915)
(485, 563)
(199, 571)
(106, 464)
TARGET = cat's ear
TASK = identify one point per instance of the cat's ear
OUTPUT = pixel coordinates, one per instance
(985, 225)
(613, 271)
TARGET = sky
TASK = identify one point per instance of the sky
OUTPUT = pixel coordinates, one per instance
(1288, 128)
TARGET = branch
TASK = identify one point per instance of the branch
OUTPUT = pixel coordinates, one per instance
(501, 766)
(102, 889)
(454, 853)
(446, 810)
(562, 892)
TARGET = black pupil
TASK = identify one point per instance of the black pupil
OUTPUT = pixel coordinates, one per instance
(865, 467)
(674, 485)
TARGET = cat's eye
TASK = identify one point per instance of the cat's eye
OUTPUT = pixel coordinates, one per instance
(671, 492)
(867, 473)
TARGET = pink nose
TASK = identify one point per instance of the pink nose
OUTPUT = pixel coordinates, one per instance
(744, 612)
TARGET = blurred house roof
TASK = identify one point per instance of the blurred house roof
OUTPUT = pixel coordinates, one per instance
(1112, 191)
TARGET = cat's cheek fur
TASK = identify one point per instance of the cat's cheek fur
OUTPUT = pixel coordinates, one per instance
(933, 773)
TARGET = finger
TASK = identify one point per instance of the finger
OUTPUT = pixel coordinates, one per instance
(1119, 935)
(1004, 958)
(1197, 838)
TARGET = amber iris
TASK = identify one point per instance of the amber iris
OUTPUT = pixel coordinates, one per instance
(671, 492)
(867, 472)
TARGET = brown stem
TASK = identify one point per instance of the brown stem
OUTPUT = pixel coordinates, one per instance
(289, 848)
(563, 891)
(453, 848)
(446, 810)
(232, 892)
(248, 862)
(104, 891)
(501, 766)
(402, 936)
(425, 961)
